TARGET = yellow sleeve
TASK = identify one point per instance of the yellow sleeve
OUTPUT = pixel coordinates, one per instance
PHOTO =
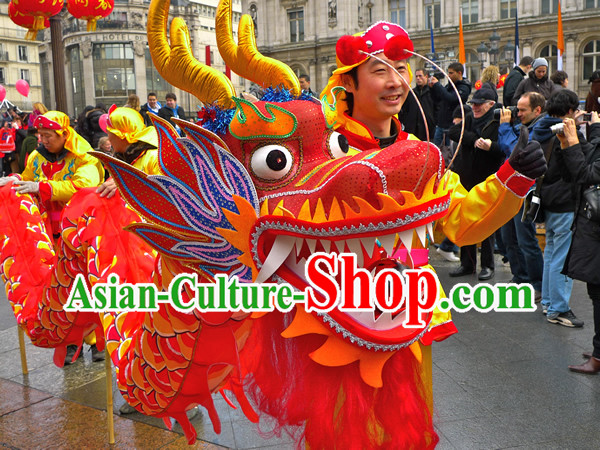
(81, 172)
(28, 174)
(474, 215)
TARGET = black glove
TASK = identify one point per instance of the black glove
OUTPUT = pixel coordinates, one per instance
(528, 158)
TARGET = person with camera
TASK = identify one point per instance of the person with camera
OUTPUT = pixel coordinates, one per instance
(582, 163)
(448, 100)
(522, 247)
(479, 157)
(558, 205)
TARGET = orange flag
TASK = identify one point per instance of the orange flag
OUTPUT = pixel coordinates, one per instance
(560, 43)
(462, 58)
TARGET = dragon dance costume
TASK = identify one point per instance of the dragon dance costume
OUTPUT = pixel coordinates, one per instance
(253, 193)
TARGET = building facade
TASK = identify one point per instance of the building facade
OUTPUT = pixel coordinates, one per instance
(108, 65)
(303, 33)
(19, 60)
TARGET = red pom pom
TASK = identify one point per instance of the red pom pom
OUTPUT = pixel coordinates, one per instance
(478, 84)
(348, 50)
(396, 47)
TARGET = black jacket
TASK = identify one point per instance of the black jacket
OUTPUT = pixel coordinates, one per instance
(144, 112)
(511, 82)
(167, 113)
(583, 165)
(532, 84)
(473, 164)
(448, 101)
(410, 115)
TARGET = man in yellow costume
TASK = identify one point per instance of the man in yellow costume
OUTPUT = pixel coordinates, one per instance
(58, 168)
(55, 171)
(366, 116)
(133, 142)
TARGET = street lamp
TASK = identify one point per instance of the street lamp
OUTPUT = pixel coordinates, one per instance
(494, 40)
(482, 51)
(509, 52)
(493, 50)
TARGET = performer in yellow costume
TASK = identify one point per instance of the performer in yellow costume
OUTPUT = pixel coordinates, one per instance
(132, 142)
(55, 171)
(58, 168)
(365, 110)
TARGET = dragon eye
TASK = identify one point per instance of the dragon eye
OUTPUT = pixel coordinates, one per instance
(338, 145)
(271, 162)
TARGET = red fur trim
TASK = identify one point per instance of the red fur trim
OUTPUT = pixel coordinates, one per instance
(395, 48)
(337, 408)
(348, 50)
(514, 181)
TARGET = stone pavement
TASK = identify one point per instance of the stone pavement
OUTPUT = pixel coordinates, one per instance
(502, 382)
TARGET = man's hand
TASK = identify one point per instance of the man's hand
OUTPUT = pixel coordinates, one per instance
(6, 180)
(107, 189)
(568, 138)
(483, 144)
(432, 80)
(505, 115)
(527, 157)
(26, 187)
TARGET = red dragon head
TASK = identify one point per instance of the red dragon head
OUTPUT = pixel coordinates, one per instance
(278, 184)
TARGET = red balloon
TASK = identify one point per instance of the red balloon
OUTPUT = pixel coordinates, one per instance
(22, 87)
(2, 93)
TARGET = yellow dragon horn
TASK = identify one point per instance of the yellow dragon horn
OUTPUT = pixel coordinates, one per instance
(176, 63)
(244, 59)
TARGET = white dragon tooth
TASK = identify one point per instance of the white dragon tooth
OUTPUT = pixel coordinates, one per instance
(369, 245)
(388, 243)
(299, 242)
(282, 247)
(406, 237)
(354, 247)
(421, 234)
(326, 243)
(312, 244)
(341, 246)
(430, 232)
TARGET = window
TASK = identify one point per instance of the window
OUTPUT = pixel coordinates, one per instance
(296, 19)
(114, 75)
(590, 4)
(470, 11)
(398, 12)
(472, 66)
(24, 75)
(508, 9)
(550, 52)
(22, 50)
(154, 82)
(591, 58)
(75, 60)
(549, 6)
(2, 77)
(433, 13)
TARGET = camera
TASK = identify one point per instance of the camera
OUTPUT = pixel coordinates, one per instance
(586, 117)
(531, 207)
(557, 128)
(438, 75)
(513, 113)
